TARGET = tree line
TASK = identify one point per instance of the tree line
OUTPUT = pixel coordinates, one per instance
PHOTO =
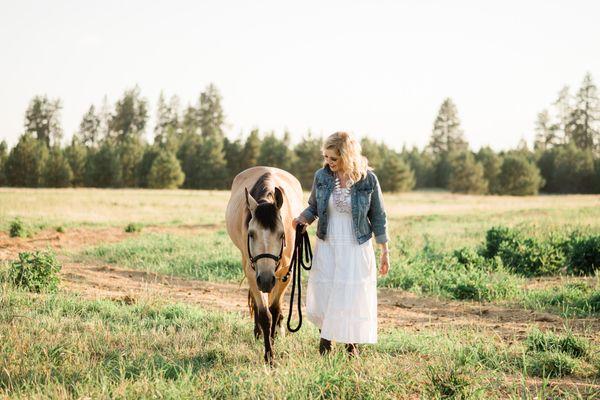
(190, 150)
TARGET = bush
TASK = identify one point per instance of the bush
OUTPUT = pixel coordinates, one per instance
(17, 228)
(523, 255)
(165, 172)
(35, 272)
(466, 175)
(132, 228)
(583, 256)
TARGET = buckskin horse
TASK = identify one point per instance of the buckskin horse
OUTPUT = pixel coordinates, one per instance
(263, 203)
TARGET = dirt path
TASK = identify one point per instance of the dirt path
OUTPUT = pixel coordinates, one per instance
(396, 308)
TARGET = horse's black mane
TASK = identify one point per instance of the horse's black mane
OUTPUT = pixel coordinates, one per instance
(263, 192)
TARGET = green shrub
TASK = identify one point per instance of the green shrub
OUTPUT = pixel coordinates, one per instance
(583, 256)
(448, 382)
(550, 364)
(35, 272)
(569, 344)
(132, 228)
(525, 255)
(60, 229)
(17, 228)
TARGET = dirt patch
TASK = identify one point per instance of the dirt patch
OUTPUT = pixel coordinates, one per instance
(396, 308)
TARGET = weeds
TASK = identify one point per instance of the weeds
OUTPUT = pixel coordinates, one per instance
(35, 272)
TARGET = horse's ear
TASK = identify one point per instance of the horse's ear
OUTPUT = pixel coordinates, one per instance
(278, 197)
(250, 202)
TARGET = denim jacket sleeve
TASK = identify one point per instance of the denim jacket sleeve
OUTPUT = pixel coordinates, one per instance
(310, 213)
(377, 215)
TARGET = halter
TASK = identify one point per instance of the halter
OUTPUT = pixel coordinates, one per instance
(265, 255)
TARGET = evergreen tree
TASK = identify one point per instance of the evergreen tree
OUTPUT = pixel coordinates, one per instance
(308, 159)
(3, 158)
(207, 166)
(563, 108)
(167, 128)
(546, 163)
(130, 116)
(89, 129)
(251, 150)
(42, 119)
(57, 171)
(491, 163)
(573, 170)
(76, 154)
(25, 163)
(375, 152)
(395, 175)
(150, 154)
(210, 113)
(447, 135)
(275, 152)
(466, 174)
(545, 132)
(422, 163)
(103, 168)
(165, 172)
(519, 176)
(131, 151)
(583, 129)
(233, 158)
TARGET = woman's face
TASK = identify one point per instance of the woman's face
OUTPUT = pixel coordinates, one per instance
(333, 160)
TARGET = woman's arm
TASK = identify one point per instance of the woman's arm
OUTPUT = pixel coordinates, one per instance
(377, 214)
(310, 213)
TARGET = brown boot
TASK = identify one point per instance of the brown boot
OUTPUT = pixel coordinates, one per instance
(324, 346)
(352, 349)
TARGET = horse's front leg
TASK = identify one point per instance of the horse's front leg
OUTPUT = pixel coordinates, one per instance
(276, 318)
(264, 320)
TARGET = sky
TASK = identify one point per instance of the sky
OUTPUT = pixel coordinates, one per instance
(373, 68)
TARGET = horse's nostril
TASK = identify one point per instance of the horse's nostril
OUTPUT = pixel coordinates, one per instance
(273, 280)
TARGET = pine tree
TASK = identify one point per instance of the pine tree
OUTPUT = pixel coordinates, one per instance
(130, 116)
(233, 158)
(564, 108)
(491, 163)
(251, 150)
(308, 159)
(545, 132)
(210, 113)
(275, 152)
(447, 135)
(583, 128)
(466, 175)
(395, 175)
(42, 119)
(25, 163)
(3, 158)
(165, 172)
(76, 154)
(422, 163)
(89, 128)
(573, 170)
(207, 165)
(103, 167)
(519, 176)
(57, 171)
(130, 150)
(167, 128)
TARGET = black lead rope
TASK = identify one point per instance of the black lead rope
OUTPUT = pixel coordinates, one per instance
(302, 256)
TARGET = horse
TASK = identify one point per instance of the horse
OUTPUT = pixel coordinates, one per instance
(263, 203)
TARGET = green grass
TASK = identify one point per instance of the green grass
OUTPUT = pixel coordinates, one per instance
(73, 348)
(208, 257)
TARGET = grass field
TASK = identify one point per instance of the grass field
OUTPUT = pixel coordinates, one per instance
(160, 313)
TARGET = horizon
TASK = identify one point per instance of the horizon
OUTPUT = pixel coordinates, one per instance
(377, 74)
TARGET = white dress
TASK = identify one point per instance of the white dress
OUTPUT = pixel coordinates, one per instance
(341, 297)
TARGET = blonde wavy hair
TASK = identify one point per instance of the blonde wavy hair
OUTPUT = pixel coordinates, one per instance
(354, 164)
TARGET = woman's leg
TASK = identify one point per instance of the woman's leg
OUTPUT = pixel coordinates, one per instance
(324, 345)
(352, 349)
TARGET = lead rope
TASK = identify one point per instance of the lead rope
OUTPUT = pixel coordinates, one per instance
(302, 256)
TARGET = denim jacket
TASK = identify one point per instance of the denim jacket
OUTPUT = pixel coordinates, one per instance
(368, 214)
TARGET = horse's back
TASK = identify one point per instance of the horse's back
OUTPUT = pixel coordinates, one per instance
(236, 207)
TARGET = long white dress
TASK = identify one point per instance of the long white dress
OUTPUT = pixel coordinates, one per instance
(341, 297)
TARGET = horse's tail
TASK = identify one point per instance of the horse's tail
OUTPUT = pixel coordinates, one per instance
(250, 304)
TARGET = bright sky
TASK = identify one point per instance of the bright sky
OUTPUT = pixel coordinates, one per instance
(378, 68)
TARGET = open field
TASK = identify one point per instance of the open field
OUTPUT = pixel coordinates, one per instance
(162, 310)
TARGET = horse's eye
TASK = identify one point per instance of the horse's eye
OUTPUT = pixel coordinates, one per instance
(251, 234)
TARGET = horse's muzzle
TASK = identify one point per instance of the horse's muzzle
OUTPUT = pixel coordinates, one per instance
(265, 281)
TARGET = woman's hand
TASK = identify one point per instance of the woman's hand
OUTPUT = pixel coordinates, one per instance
(384, 264)
(297, 221)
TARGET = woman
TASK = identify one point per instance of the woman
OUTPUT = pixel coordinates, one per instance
(342, 285)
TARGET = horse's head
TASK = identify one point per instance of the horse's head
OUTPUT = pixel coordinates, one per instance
(266, 238)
